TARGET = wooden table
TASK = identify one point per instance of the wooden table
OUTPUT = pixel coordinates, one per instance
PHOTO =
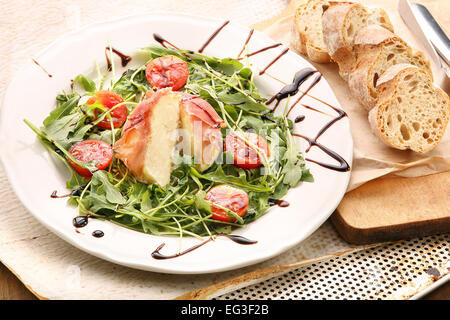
(12, 289)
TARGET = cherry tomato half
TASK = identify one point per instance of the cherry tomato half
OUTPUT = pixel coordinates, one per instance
(228, 197)
(109, 99)
(167, 71)
(245, 156)
(91, 150)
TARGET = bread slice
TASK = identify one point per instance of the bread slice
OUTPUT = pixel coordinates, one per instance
(411, 113)
(376, 50)
(307, 37)
(149, 136)
(341, 23)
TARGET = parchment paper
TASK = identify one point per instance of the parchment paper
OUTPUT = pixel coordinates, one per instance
(372, 158)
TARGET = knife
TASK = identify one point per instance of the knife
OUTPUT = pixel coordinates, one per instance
(422, 24)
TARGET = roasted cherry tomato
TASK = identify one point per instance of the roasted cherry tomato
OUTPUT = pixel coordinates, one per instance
(245, 156)
(228, 197)
(167, 71)
(109, 99)
(91, 150)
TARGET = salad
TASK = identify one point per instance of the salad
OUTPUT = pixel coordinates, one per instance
(183, 145)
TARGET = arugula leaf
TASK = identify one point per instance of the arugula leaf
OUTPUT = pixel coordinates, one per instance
(246, 73)
(105, 135)
(292, 172)
(128, 87)
(75, 181)
(59, 130)
(307, 176)
(242, 101)
(155, 51)
(113, 195)
(219, 176)
(87, 83)
(65, 104)
(200, 202)
(227, 65)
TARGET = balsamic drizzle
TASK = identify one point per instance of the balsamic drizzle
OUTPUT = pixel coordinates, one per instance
(299, 118)
(316, 81)
(343, 165)
(238, 239)
(98, 233)
(213, 36)
(54, 195)
(341, 114)
(163, 41)
(80, 221)
(292, 89)
(75, 192)
(261, 50)
(123, 57)
(245, 43)
(273, 61)
(37, 63)
(278, 202)
(314, 109)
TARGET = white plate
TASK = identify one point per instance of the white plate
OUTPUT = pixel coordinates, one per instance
(34, 175)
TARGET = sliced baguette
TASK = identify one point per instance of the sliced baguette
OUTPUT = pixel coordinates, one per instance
(376, 50)
(341, 23)
(411, 113)
(307, 37)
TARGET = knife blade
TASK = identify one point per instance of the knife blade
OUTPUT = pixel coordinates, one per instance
(425, 28)
(433, 30)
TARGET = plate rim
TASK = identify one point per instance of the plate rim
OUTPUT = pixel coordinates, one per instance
(111, 257)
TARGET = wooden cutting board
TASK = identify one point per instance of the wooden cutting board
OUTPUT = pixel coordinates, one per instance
(395, 208)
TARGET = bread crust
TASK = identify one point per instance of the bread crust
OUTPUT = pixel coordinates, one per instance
(371, 35)
(333, 22)
(358, 82)
(301, 42)
(337, 29)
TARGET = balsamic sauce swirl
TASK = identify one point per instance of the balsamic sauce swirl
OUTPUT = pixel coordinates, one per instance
(343, 165)
(261, 50)
(163, 41)
(125, 59)
(98, 233)
(80, 221)
(156, 254)
(245, 43)
(42, 68)
(273, 61)
(299, 118)
(292, 89)
(278, 202)
(213, 36)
